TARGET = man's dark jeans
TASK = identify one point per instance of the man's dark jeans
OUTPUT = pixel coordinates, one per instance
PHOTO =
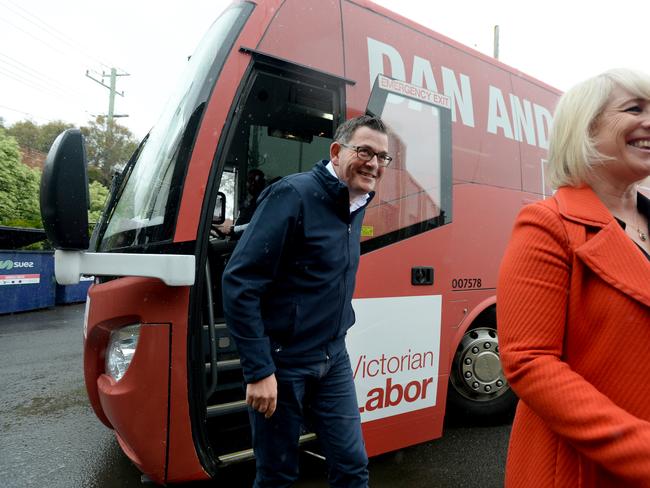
(322, 396)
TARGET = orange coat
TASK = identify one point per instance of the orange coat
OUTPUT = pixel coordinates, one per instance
(574, 332)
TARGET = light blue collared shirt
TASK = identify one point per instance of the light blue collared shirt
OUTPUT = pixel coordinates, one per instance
(357, 202)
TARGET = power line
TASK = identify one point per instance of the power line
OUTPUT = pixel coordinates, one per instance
(49, 29)
(33, 26)
(53, 90)
(29, 114)
(21, 79)
(27, 70)
(37, 84)
(40, 88)
(49, 45)
(16, 110)
(36, 79)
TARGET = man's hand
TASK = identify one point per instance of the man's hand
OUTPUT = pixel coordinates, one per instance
(263, 395)
(223, 229)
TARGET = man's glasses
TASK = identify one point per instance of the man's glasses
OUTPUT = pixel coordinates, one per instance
(366, 154)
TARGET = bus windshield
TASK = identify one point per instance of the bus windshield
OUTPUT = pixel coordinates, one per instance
(146, 207)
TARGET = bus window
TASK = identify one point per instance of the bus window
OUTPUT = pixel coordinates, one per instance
(278, 153)
(285, 126)
(415, 192)
(227, 187)
(146, 208)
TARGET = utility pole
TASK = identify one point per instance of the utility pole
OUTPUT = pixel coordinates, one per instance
(112, 92)
(111, 112)
(496, 42)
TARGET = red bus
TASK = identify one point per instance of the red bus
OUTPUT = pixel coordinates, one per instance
(265, 89)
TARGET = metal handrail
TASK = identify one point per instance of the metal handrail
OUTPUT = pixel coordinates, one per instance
(212, 333)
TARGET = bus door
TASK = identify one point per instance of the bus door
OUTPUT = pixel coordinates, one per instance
(395, 345)
(284, 123)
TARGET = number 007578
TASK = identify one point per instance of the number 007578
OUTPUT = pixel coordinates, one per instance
(466, 283)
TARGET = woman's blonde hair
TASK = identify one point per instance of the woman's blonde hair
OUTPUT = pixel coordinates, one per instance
(572, 151)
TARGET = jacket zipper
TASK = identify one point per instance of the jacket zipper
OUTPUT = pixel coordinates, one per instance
(345, 280)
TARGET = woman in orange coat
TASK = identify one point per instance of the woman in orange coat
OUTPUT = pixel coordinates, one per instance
(574, 298)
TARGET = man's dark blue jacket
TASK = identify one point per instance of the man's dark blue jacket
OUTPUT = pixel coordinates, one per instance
(288, 286)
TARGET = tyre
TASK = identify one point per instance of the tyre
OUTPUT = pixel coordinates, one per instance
(479, 393)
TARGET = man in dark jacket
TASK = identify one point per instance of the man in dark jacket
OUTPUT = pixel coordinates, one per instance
(287, 299)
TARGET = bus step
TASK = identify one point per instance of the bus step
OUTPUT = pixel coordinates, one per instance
(217, 326)
(226, 408)
(227, 365)
(247, 454)
(234, 385)
(224, 342)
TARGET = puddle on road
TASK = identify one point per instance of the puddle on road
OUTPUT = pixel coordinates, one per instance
(51, 405)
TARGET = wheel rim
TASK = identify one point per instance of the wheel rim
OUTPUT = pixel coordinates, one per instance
(476, 373)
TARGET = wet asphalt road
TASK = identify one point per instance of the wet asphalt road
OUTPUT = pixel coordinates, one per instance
(49, 436)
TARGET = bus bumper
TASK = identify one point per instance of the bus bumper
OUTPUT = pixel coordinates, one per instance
(137, 405)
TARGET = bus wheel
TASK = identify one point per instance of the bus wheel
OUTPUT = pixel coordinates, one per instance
(478, 390)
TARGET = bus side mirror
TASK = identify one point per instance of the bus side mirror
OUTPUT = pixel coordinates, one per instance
(64, 193)
(219, 214)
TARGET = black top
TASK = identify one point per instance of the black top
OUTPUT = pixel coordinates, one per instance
(643, 206)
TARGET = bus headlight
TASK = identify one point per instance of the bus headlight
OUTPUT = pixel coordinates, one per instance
(120, 350)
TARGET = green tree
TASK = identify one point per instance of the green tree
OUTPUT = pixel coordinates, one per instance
(49, 132)
(26, 133)
(19, 187)
(98, 197)
(38, 137)
(95, 174)
(108, 150)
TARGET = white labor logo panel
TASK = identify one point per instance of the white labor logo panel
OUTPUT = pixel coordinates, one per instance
(394, 349)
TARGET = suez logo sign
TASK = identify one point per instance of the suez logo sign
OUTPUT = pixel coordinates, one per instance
(394, 351)
(9, 264)
(507, 114)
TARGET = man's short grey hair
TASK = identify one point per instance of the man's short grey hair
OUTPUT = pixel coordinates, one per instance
(346, 130)
(572, 150)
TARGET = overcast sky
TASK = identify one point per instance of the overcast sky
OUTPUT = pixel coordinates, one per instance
(46, 47)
